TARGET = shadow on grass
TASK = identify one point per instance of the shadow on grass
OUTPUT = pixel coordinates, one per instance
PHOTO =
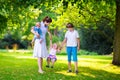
(102, 57)
(86, 73)
(13, 68)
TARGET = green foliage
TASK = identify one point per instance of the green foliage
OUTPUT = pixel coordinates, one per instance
(99, 40)
(18, 16)
(3, 23)
(76, 11)
(95, 19)
(84, 52)
(82, 13)
(3, 44)
(55, 39)
(71, 14)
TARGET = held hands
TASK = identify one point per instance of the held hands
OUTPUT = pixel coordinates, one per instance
(58, 50)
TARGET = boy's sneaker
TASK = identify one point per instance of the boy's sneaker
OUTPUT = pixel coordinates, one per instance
(76, 71)
(47, 66)
(69, 71)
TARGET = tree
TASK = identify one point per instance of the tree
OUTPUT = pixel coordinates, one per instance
(116, 45)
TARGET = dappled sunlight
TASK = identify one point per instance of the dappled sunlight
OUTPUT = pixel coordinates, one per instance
(92, 60)
(21, 51)
(21, 56)
(61, 57)
(63, 62)
(65, 73)
(24, 57)
(95, 63)
(111, 68)
(88, 74)
(99, 64)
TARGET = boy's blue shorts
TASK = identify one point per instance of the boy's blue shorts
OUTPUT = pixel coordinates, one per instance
(72, 51)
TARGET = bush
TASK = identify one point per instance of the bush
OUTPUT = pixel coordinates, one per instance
(3, 45)
(84, 52)
(9, 41)
(98, 40)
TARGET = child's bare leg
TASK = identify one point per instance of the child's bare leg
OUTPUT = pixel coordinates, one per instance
(48, 62)
(53, 61)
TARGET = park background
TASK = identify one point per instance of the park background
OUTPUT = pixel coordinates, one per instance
(97, 22)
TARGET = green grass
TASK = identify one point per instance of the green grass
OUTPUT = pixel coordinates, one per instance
(22, 66)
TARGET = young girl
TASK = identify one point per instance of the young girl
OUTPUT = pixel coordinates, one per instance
(52, 55)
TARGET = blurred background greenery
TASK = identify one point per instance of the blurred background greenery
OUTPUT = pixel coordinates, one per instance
(94, 20)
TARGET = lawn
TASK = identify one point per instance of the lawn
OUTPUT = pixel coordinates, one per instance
(22, 66)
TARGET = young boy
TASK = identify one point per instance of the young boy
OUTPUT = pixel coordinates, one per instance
(72, 44)
(38, 33)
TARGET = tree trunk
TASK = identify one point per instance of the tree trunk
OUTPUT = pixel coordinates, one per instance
(116, 44)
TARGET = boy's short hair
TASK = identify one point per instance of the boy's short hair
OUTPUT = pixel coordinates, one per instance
(69, 25)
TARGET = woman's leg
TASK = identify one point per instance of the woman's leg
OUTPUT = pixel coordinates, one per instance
(40, 62)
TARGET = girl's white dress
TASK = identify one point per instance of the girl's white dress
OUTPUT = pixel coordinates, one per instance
(40, 49)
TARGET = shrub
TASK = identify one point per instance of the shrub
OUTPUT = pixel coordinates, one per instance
(98, 40)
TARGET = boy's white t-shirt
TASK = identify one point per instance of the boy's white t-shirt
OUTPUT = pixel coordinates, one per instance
(71, 37)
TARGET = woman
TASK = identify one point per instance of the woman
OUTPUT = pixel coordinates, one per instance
(40, 49)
